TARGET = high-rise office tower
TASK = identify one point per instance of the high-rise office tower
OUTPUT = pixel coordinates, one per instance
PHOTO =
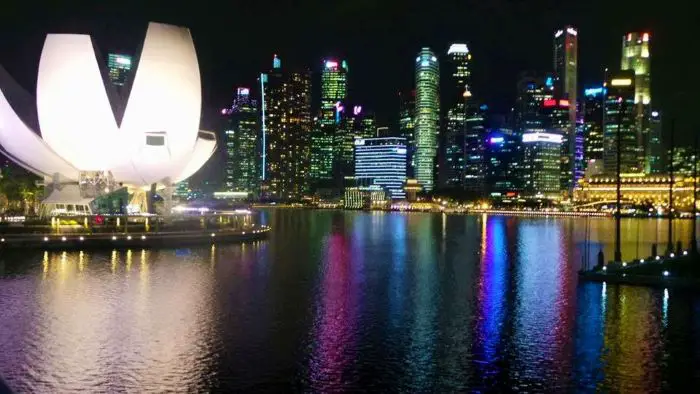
(556, 121)
(333, 95)
(620, 117)
(356, 122)
(636, 57)
(287, 123)
(381, 162)
(243, 149)
(654, 149)
(566, 87)
(462, 145)
(119, 67)
(533, 90)
(593, 112)
(503, 160)
(541, 164)
(407, 106)
(427, 118)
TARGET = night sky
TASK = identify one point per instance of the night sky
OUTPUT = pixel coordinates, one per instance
(235, 41)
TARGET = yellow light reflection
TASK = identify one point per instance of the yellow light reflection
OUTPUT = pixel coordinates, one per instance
(114, 261)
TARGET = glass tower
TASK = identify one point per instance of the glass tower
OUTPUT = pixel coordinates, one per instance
(620, 117)
(243, 150)
(654, 153)
(354, 123)
(333, 95)
(565, 69)
(287, 128)
(407, 106)
(119, 67)
(382, 162)
(427, 117)
(541, 163)
(533, 90)
(463, 163)
(503, 154)
(593, 124)
(637, 58)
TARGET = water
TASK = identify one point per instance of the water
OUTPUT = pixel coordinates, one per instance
(341, 301)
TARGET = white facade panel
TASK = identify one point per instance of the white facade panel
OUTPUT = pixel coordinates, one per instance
(27, 148)
(75, 115)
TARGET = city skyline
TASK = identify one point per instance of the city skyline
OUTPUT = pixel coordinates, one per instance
(498, 46)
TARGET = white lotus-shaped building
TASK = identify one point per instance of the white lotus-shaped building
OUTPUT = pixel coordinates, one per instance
(81, 132)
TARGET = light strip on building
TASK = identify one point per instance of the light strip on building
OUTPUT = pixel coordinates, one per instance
(542, 137)
(621, 82)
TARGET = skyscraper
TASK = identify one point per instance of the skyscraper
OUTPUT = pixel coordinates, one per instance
(636, 57)
(286, 109)
(407, 106)
(119, 67)
(463, 148)
(333, 95)
(593, 111)
(654, 148)
(533, 90)
(556, 121)
(355, 122)
(566, 87)
(243, 150)
(427, 117)
(503, 160)
(541, 164)
(620, 117)
(381, 162)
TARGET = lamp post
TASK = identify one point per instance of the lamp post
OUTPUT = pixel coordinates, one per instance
(669, 246)
(618, 252)
(694, 241)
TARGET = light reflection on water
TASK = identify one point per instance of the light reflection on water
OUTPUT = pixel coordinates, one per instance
(345, 300)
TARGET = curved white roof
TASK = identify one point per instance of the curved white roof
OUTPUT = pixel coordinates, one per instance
(155, 141)
(75, 116)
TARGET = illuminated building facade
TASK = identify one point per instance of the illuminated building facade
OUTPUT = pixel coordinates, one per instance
(333, 95)
(243, 145)
(555, 117)
(472, 174)
(286, 109)
(541, 164)
(654, 148)
(463, 147)
(636, 189)
(636, 57)
(381, 162)
(593, 112)
(533, 89)
(407, 106)
(503, 155)
(365, 197)
(620, 116)
(683, 158)
(119, 67)
(566, 87)
(427, 117)
(356, 122)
